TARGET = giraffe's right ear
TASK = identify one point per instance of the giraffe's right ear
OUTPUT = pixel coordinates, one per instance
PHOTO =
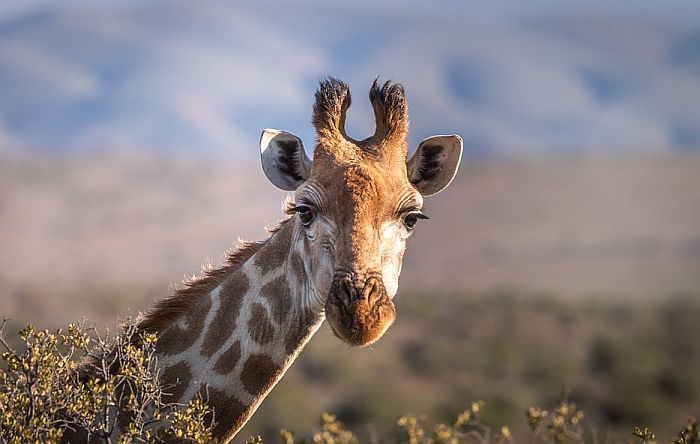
(284, 160)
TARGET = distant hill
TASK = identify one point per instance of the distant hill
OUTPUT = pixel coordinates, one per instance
(624, 226)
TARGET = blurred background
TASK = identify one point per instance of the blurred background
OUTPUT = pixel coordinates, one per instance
(566, 254)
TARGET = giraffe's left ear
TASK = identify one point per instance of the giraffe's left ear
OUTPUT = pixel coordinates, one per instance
(434, 164)
(284, 160)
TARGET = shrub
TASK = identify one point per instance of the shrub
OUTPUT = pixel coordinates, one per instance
(76, 381)
(562, 425)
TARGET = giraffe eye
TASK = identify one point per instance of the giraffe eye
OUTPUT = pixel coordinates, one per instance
(306, 216)
(411, 219)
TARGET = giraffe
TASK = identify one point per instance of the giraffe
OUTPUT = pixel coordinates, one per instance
(230, 335)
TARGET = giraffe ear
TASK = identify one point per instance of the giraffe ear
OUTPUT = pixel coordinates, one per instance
(434, 164)
(284, 160)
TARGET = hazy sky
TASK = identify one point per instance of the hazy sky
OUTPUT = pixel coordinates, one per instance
(513, 79)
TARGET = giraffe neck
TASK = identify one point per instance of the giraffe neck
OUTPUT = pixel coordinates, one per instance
(233, 346)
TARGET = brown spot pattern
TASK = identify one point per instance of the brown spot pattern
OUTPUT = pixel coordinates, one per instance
(298, 266)
(278, 293)
(176, 339)
(228, 360)
(229, 413)
(259, 326)
(275, 251)
(224, 322)
(78, 435)
(299, 330)
(175, 380)
(259, 374)
(125, 416)
(169, 309)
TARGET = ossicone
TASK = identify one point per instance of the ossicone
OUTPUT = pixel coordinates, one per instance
(332, 102)
(390, 111)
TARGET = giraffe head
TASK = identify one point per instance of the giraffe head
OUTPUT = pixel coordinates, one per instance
(357, 203)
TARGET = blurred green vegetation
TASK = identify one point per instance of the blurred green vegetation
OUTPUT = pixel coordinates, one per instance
(626, 363)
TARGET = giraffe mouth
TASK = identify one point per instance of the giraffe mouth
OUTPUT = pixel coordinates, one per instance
(359, 315)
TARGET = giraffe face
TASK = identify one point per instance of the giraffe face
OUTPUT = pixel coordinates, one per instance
(355, 219)
(355, 206)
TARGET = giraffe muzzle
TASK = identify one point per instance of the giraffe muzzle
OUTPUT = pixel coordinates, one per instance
(359, 314)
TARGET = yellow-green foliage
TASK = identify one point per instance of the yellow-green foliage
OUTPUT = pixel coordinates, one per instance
(331, 431)
(563, 425)
(77, 380)
(690, 434)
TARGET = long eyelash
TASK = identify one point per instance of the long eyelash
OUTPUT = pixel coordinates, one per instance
(417, 212)
(289, 206)
(293, 209)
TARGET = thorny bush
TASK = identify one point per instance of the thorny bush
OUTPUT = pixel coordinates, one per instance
(563, 425)
(78, 380)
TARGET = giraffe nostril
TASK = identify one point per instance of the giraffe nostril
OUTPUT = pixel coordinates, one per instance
(346, 290)
(372, 290)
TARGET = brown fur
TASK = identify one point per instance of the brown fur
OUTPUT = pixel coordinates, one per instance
(362, 194)
(176, 339)
(224, 322)
(169, 309)
(176, 379)
(228, 360)
(332, 102)
(277, 293)
(362, 322)
(276, 252)
(260, 328)
(224, 408)
(300, 330)
(80, 436)
(390, 112)
(298, 266)
(259, 372)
